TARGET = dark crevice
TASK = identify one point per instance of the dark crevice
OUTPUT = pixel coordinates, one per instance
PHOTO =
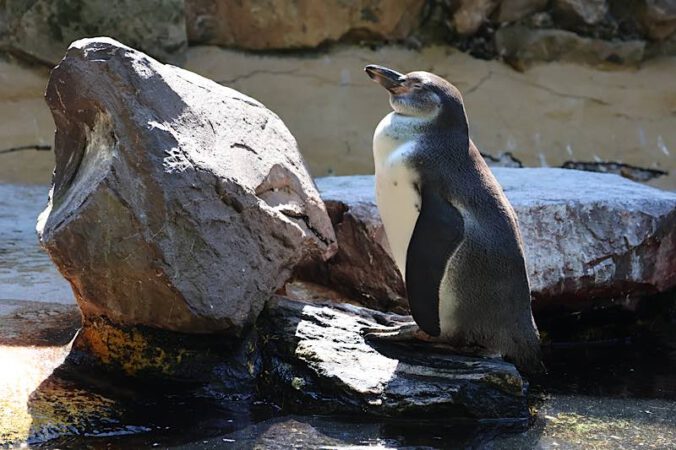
(506, 159)
(306, 220)
(634, 173)
(244, 146)
(26, 147)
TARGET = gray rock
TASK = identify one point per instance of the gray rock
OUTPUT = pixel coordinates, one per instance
(513, 10)
(318, 361)
(659, 18)
(521, 46)
(586, 235)
(575, 12)
(176, 203)
(43, 29)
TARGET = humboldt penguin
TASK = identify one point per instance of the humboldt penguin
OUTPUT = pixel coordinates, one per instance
(453, 233)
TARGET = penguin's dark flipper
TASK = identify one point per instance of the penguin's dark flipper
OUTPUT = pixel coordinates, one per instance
(437, 234)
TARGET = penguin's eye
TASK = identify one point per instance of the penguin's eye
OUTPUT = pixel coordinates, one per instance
(417, 85)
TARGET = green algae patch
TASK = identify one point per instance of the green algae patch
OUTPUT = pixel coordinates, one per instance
(512, 384)
(151, 353)
(129, 348)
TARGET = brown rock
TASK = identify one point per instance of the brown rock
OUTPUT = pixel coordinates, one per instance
(521, 46)
(363, 267)
(586, 235)
(471, 14)
(280, 24)
(176, 203)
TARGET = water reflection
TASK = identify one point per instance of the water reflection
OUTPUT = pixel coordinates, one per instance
(26, 273)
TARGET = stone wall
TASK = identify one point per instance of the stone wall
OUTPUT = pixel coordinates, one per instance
(593, 89)
(518, 31)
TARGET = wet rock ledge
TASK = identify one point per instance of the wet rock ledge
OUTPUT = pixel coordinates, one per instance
(318, 361)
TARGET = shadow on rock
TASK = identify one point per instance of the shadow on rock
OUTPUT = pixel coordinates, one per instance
(162, 386)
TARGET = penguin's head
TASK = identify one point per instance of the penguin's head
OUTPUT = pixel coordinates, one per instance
(420, 94)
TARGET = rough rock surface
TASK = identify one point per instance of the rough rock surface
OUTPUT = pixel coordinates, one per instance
(363, 266)
(521, 46)
(43, 29)
(513, 10)
(318, 361)
(282, 24)
(586, 235)
(177, 203)
(588, 12)
(472, 14)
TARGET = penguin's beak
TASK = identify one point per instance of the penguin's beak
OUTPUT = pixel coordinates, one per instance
(387, 78)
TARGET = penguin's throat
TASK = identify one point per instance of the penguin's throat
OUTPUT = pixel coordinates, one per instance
(401, 128)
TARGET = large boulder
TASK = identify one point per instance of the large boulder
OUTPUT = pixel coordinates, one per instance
(43, 29)
(586, 235)
(316, 359)
(281, 24)
(176, 203)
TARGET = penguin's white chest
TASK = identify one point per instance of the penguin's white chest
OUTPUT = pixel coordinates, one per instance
(396, 195)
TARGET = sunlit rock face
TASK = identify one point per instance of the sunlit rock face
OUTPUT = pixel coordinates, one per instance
(586, 235)
(176, 203)
(316, 360)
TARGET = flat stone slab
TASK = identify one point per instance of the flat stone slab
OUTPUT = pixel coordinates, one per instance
(317, 361)
(586, 235)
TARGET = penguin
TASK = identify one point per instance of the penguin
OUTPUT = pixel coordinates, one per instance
(453, 234)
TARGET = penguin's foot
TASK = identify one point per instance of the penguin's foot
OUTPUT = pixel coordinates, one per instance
(405, 332)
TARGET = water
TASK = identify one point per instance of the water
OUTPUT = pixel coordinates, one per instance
(26, 273)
